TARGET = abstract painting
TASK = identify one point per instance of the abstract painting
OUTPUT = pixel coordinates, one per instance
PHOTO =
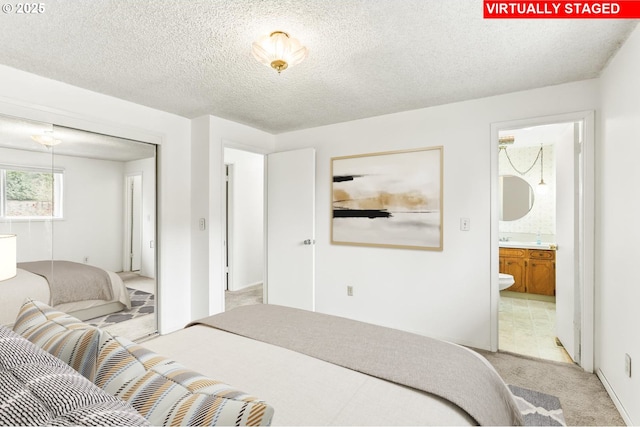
(391, 199)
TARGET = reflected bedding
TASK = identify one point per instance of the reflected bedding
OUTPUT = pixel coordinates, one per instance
(84, 301)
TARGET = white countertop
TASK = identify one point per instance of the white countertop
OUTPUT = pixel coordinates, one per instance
(527, 245)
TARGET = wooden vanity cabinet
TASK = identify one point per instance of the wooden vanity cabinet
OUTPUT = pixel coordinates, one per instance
(541, 272)
(534, 270)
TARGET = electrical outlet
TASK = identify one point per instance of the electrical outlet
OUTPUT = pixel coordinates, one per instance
(349, 291)
(627, 365)
(202, 224)
(86, 260)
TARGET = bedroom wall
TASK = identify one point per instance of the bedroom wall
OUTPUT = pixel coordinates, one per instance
(618, 208)
(247, 224)
(27, 95)
(441, 294)
(92, 194)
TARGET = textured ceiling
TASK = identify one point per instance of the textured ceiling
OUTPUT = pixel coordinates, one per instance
(366, 57)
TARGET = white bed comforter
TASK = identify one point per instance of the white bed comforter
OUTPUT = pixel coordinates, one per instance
(302, 389)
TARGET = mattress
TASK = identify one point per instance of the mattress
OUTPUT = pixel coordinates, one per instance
(302, 389)
(14, 291)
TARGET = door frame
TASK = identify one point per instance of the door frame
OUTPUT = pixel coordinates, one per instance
(227, 143)
(586, 218)
(228, 239)
(128, 219)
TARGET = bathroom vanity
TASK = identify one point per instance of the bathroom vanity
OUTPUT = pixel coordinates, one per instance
(533, 268)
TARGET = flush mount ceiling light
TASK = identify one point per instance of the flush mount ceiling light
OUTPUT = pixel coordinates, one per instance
(279, 51)
(46, 139)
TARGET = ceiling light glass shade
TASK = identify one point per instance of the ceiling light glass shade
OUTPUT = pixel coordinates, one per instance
(46, 139)
(279, 51)
(7, 256)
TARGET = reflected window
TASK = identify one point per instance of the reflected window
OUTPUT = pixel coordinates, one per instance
(31, 193)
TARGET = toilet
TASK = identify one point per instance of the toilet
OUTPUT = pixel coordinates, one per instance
(505, 281)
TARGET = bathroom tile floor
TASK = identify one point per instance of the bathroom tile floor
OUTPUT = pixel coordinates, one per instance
(527, 326)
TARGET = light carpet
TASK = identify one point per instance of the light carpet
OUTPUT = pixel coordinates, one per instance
(584, 400)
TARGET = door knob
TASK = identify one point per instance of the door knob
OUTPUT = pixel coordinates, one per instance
(309, 242)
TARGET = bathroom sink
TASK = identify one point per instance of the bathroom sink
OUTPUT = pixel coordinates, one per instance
(526, 245)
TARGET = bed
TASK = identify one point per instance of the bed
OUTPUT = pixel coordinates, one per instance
(30, 281)
(316, 369)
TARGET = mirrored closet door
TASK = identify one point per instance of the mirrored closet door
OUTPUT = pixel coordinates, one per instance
(82, 208)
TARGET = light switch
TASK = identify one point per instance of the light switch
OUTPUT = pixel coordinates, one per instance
(465, 224)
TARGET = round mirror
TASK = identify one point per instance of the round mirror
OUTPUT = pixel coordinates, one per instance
(516, 197)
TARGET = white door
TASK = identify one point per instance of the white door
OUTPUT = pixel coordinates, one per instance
(567, 234)
(290, 228)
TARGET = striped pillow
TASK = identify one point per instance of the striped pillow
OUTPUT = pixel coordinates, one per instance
(64, 336)
(40, 389)
(166, 393)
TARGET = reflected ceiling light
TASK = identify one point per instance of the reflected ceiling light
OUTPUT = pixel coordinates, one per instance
(279, 51)
(46, 139)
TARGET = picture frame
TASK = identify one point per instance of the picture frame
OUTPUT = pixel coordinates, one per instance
(388, 199)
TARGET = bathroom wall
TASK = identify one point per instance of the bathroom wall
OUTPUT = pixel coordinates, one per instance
(542, 217)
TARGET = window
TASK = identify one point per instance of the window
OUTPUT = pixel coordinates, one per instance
(30, 193)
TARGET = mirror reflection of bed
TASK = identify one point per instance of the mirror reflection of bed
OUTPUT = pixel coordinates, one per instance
(83, 208)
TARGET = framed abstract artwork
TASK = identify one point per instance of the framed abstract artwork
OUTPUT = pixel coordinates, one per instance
(391, 199)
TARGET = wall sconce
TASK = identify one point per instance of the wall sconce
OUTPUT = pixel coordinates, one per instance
(505, 141)
(46, 139)
(279, 51)
(7, 256)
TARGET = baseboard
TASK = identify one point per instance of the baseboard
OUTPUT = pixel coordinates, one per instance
(614, 398)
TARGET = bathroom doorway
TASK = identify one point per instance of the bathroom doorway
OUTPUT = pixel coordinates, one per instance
(543, 248)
